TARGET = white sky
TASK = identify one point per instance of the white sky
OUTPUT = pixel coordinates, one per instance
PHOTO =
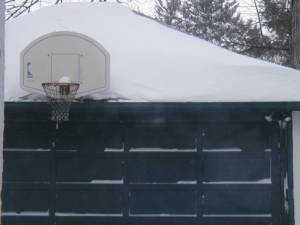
(145, 6)
(246, 8)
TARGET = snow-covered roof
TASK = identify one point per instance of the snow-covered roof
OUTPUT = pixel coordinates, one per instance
(151, 62)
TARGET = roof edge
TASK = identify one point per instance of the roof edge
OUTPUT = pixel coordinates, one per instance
(202, 106)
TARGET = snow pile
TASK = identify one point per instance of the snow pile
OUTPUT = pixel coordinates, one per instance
(151, 62)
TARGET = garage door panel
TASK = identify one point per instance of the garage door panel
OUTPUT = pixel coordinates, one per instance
(25, 202)
(26, 166)
(145, 171)
(89, 169)
(28, 135)
(87, 223)
(164, 137)
(238, 220)
(91, 137)
(236, 223)
(247, 137)
(25, 220)
(163, 203)
(237, 167)
(162, 170)
(102, 202)
(163, 223)
(25, 223)
(235, 202)
(33, 222)
(88, 220)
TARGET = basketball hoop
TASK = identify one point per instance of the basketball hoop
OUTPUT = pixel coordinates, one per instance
(60, 96)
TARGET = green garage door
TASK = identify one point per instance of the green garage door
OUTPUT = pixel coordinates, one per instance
(143, 170)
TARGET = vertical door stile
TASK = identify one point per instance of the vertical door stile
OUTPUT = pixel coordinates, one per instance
(52, 189)
(282, 163)
(291, 213)
(200, 174)
(276, 145)
(285, 157)
(279, 171)
(126, 191)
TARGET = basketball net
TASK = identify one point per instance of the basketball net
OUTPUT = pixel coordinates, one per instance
(60, 97)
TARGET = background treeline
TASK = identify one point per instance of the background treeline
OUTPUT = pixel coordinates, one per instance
(219, 22)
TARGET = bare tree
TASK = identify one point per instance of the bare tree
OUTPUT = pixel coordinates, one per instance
(295, 42)
(258, 18)
(15, 8)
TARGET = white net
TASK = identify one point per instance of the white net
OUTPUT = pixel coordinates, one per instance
(60, 96)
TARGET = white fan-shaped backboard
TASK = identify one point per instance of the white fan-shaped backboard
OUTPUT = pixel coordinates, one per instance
(65, 54)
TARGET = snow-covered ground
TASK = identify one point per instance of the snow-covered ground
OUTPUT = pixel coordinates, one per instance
(151, 62)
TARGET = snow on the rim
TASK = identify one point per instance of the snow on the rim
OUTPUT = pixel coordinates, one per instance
(151, 62)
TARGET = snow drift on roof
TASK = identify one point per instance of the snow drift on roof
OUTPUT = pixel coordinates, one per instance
(149, 61)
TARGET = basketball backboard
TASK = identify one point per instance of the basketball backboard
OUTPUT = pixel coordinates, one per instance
(65, 54)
